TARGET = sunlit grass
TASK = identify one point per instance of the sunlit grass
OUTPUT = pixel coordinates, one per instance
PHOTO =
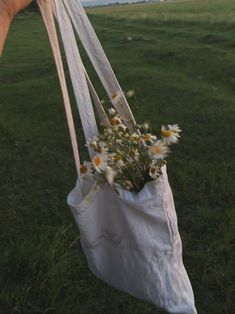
(194, 11)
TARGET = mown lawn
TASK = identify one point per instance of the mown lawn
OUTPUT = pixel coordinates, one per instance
(180, 60)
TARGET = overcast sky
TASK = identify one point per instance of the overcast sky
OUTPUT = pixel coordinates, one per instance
(106, 1)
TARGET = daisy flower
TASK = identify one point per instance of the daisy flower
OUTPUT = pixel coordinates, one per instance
(108, 131)
(101, 148)
(100, 162)
(170, 134)
(134, 137)
(145, 126)
(130, 93)
(147, 137)
(119, 141)
(115, 121)
(109, 174)
(85, 168)
(92, 142)
(174, 128)
(118, 161)
(128, 185)
(158, 150)
(112, 112)
(121, 127)
(154, 171)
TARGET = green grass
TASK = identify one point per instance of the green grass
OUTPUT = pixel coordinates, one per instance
(180, 60)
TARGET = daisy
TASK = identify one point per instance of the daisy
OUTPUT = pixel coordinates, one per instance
(115, 121)
(121, 127)
(101, 148)
(174, 128)
(85, 168)
(108, 131)
(128, 185)
(92, 142)
(158, 150)
(170, 134)
(134, 137)
(119, 141)
(100, 162)
(145, 126)
(112, 112)
(154, 171)
(130, 93)
(109, 174)
(118, 161)
(147, 137)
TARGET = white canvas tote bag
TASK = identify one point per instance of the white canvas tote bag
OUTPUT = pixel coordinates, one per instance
(131, 240)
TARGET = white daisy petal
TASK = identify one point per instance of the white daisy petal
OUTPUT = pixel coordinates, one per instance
(158, 150)
(154, 171)
(109, 174)
(100, 162)
(170, 134)
(130, 93)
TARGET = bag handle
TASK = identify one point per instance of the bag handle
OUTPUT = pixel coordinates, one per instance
(77, 74)
(46, 10)
(98, 58)
(75, 65)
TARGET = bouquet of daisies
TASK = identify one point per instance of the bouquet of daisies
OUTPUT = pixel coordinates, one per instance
(129, 158)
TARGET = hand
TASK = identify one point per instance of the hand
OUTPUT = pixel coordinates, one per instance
(8, 9)
(12, 7)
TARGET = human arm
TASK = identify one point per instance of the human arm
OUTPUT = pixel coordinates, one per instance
(8, 9)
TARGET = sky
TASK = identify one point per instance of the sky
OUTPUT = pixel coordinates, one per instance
(98, 2)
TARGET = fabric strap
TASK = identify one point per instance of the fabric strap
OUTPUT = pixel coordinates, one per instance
(82, 85)
(46, 10)
(98, 58)
(77, 74)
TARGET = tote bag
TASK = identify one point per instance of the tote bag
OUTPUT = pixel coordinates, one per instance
(131, 240)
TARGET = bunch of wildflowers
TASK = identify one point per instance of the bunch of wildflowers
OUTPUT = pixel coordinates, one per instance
(129, 158)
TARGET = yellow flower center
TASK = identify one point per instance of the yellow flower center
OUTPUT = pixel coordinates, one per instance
(166, 133)
(97, 161)
(117, 158)
(134, 137)
(155, 149)
(146, 137)
(83, 169)
(113, 121)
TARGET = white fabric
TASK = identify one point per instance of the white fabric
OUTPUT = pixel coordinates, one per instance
(81, 83)
(77, 74)
(46, 10)
(132, 241)
(98, 58)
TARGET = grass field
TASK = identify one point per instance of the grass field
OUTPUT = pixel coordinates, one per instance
(180, 60)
